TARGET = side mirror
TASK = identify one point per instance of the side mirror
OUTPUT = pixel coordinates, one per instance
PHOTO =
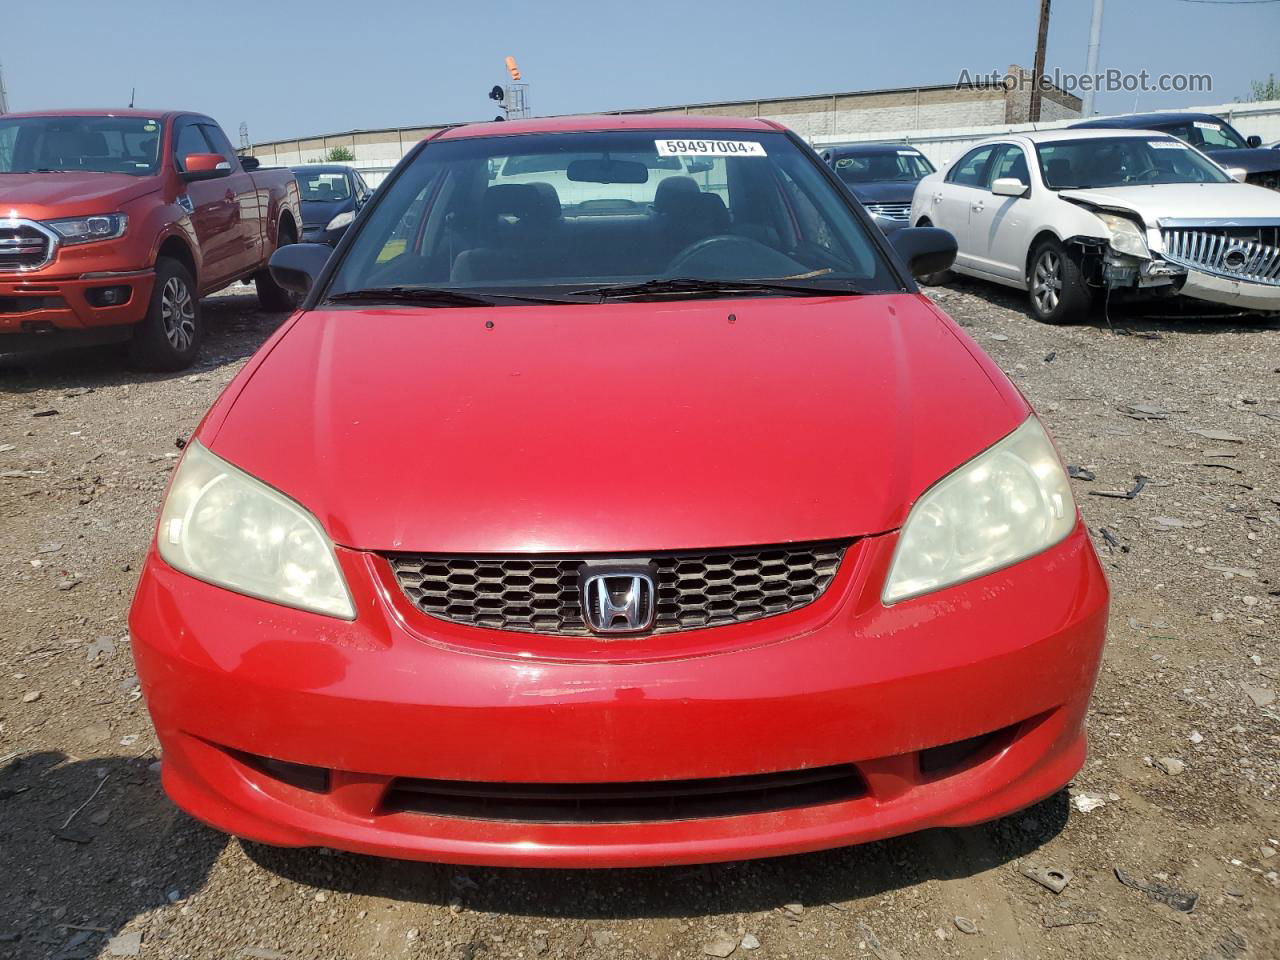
(249, 164)
(296, 266)
(1008, 187)
(1254, 140)
(924, 250)
(204, 166)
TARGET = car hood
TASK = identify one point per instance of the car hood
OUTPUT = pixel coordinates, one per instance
(1155, 202)
(615, 427)
(41, 196)
(1250, 159)
(888, 191)
(318, 213)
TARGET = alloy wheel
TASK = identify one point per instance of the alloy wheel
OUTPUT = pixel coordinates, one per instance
(1046, 284)
(178, 314)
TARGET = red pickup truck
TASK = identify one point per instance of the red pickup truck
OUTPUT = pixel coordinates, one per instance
(114, 223)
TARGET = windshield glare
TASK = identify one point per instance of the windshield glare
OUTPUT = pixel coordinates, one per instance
(903, 166)
(98, 144)
(323, 187)
(1122, 162)
(539, 211)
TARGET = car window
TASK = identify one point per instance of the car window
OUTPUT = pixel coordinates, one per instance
(901, 166)
(190, 140)
(1011, 163)
(100, 144)
(218, 142)
(971, 169)
(322, 185)
(544, 210)
(1123, 161)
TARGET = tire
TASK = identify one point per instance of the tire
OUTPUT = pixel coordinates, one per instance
(271, 296)
(1056, 288)
(942, 277)
(169, 336)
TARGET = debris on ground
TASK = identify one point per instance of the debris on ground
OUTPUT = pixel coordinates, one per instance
(965, 925)
(1079, 473)
(1180, 900)
(1170, 765)
(720, 945)
(1051, 878)
(1139, 483)
(1070, 916)
(877, 948)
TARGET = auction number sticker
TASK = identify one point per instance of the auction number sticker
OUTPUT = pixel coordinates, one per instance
(1208, 126)
(709, 148)
(1166, 145)
(908, 153)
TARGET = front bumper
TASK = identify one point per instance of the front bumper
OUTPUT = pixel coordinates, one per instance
(62, 304)
(844, 681)
(1234, 293)
(318, 234)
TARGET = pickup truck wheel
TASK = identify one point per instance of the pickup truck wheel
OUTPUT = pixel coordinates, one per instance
(942, 277)
(169, 336)
(273, 297)
(1056, 286)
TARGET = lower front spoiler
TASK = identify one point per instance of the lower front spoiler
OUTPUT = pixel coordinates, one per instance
(228, 791)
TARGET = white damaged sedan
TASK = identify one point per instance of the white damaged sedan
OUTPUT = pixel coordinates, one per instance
(1070, 214)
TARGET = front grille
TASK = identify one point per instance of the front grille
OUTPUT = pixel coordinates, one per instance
(23, 246)
(1240, 253)
(542, 594)
(645, 801)
(890, 211)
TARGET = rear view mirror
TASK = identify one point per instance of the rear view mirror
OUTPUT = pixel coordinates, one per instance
(1254, 140)
(698, 165)
(204, 166)
(1008, 187)
(607, 171)
(296, 266)
(924, 250)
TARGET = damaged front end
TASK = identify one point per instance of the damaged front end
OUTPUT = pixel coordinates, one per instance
(1232, 262)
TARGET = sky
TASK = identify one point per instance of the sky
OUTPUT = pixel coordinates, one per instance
(291, 68)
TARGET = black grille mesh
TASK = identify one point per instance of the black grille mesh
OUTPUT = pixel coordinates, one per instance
(537, 594)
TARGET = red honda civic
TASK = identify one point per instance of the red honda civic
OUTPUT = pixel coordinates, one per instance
(615, 498)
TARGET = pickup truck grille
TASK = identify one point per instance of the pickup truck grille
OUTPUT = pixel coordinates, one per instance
(542, 594)
(24, 246)
(1240, 253)
(890, 211)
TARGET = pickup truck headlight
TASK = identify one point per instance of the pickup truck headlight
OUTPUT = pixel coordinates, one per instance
(1126, 236)
(221, 525)
(341, 220)
(107, 226)
(1008, 503)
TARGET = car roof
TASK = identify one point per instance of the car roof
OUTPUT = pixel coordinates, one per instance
(1072, 133)
(102, 112)
(869, 149)
(597, 124)
(1146, 120)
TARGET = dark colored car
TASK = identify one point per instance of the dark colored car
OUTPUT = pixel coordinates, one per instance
(883, 176)
(332, 195)
(1226, 145)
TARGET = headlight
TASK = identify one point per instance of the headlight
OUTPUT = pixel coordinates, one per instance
(83, 229)
(221, 525)
(1006, 504)
(1126, 236)
(341, 220)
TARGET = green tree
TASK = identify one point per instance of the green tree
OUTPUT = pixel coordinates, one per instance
(1268, 89)
(339, 155)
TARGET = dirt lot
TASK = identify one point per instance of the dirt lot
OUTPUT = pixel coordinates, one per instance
(1180, 789)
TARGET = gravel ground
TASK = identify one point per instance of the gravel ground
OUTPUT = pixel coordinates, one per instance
(1180, 789)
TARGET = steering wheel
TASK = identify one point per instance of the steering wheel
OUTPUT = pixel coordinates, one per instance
(699, 247)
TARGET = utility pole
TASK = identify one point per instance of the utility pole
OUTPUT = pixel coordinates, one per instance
(4, 99)
(1095, 41)
(1037, 70)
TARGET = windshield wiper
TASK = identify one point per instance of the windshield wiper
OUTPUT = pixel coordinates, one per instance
(697, 287)
(434, 297)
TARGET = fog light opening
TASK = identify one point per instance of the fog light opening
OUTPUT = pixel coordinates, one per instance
(113, 296)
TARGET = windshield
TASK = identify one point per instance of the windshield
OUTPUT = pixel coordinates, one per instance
(1207, 135)
(1123, 162)
(568, 210)
(98, 144)
(902, 166)
(323, 186)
